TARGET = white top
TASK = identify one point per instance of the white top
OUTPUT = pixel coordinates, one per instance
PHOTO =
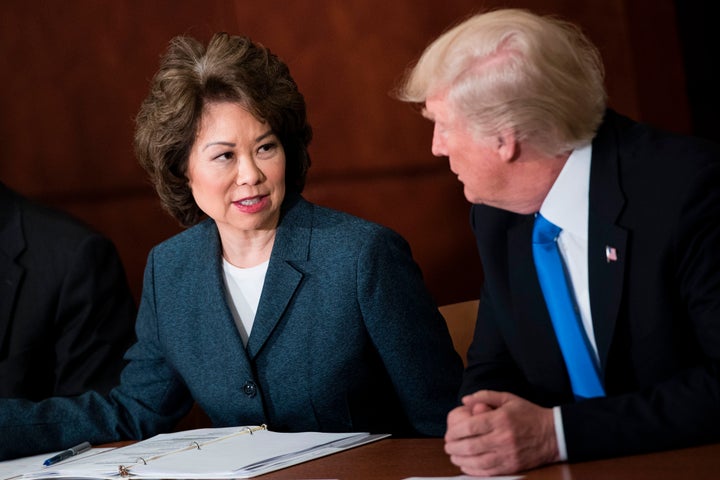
(243, 289)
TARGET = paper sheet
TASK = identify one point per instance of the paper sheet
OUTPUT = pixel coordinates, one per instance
(212, 453)
(11, 469)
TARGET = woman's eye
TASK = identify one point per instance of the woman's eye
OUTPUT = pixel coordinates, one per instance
(224, 156)
(267, 148)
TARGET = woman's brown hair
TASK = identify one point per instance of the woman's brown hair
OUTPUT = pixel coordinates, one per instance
(229, 69)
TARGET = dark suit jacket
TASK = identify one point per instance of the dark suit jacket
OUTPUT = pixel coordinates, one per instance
(66, 311)
(346, 338)
(656, 310)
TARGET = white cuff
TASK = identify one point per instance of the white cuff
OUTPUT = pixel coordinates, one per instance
(560, 434)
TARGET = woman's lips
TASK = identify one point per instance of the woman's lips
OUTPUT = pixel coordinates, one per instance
(252, 204)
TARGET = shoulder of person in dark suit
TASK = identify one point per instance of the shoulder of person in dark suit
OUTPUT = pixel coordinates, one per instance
(66, 311)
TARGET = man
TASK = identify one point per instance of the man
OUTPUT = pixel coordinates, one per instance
(519, 109)
(66, 311)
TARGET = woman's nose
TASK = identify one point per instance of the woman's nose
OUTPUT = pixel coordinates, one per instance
(248, 173)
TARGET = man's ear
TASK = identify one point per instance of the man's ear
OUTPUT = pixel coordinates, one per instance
(507, 145)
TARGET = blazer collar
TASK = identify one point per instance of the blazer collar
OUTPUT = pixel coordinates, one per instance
(12, 244)
(534, 327)
(12, 239)
(607, 242)
(605, 277)
(285, 270)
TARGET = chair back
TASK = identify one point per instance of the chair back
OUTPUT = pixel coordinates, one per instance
(460, 318)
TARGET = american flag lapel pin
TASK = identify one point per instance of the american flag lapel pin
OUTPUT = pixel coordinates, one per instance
(610, 254)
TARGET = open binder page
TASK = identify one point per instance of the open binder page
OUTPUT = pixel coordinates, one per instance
(214, 453)
(15, 469)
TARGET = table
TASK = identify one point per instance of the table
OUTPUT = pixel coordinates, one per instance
(396, 459)
(399, 458)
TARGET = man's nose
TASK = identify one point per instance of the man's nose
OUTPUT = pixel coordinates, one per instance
(438, 143)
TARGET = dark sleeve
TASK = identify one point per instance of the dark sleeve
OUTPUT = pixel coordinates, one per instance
(490, 366)
(684, 409)
(409, 332)
(150, 399)
(94, 324)
(489, 363)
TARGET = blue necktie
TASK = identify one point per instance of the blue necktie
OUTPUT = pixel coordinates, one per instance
(583, 371)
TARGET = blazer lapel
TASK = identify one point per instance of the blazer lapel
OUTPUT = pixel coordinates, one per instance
(12, 244)
(290, 252)
(607, 242)
(534, 327)
(206, 299)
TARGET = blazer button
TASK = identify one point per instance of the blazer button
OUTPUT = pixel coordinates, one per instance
(250, 389)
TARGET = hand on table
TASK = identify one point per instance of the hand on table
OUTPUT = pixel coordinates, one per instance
(497, 433)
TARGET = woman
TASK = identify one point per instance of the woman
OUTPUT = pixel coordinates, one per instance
(271, 310)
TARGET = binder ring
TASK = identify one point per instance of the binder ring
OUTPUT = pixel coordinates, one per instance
(250, 430)
(196, 444)
(141, 459)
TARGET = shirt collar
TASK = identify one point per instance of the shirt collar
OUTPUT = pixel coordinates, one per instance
(566, 205)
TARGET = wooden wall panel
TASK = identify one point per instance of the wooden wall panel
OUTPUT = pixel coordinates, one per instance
(75, 72)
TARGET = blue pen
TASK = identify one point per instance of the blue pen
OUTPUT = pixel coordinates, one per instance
(65, 454)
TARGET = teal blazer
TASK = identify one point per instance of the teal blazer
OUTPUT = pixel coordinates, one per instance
(346, 338)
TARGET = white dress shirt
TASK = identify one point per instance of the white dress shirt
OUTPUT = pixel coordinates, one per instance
(566, 205)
